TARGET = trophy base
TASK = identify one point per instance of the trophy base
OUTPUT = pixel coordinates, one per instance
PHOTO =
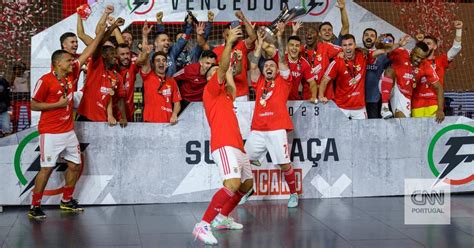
(270, 35)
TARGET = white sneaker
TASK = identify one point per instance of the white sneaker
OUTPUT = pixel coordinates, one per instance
(204, 233)
(293, 201)
(226, 223)
(386, 113)
(246, 196)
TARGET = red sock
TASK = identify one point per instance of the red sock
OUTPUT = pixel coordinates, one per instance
(232, 203)
(36, 199)
(218, 200)
(386, 88)
(67, 193)
(290, 179)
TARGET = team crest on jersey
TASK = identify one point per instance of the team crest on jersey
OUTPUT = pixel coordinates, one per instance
(104, 90)
(167, 91)
(319, 57)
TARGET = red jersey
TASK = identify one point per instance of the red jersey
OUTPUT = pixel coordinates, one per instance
(349, 78)
(160, 94)
(100, 86)
(270, 111)
(299, 69)
(129, 76)
(319, 60)
(424, 94)
(241, 82)
(191, 82)
(221, 117)
(49, 90)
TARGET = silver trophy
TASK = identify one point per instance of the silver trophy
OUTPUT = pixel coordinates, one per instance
(285, 16)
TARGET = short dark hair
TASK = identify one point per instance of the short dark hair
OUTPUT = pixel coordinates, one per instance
(129, 32)
(269, 59)
(122, 45)
(113, 40)
(294, 37)
(57, 55)
(65, 36)
(422, 46)
(432, 38)
(322, 24)
(106, 49)
(390, 35)
(158, 35)
(347, 37)
(19, 66)
(208, 54)
(370, 29)
(209, 69)
(159, 53)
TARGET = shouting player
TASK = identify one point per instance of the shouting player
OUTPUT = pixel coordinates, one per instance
(271, 121)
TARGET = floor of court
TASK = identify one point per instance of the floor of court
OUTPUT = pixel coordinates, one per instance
(344, 222)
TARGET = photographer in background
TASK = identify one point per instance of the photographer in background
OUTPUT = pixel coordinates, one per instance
(4, 105)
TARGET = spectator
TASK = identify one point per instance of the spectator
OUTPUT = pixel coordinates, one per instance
(375, 70)
(162, 42)
(192, 78)
(161, 93)
(20, 78)
(4, 106)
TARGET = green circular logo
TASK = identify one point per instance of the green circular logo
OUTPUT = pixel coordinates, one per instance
(17, 159)
(435, 139)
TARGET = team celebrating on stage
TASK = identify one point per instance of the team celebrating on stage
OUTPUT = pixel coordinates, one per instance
(382, 79)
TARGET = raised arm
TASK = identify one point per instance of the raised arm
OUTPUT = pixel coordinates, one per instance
(160, 28)
(92, 48)
(201, 41)
(143, 58)
(456, 48)
(341, 4)
(249, 29)
(109, 9)
(106, 36)
(388, 49)
(282, 63)
(255, 57)
(116, 33)
(295, 26)
(230, 83)
(224, 63)
(81, 33)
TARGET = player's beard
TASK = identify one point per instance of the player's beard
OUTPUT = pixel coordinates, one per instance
(368, 43)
